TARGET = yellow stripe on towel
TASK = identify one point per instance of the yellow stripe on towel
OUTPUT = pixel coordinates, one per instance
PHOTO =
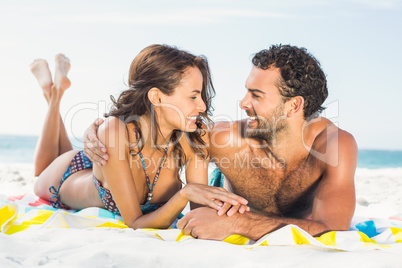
(299, 238)
(236, 239)
(113, 225)
(397, 232)
(328, 239)
(8, 212)
(42, 217)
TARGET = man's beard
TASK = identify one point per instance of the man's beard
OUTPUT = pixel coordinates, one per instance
(268, 129)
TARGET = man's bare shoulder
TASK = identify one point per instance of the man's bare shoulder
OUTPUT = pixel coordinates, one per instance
(222, 126)
(326, 133)
(331, 144)
(226, 132)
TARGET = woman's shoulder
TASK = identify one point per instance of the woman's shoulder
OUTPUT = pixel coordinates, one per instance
(113, 128)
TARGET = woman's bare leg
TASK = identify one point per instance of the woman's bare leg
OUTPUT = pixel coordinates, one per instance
(41, 71)
(47, 148)
(61, 81)
(54, 151)
(53, 137)
(64, 140)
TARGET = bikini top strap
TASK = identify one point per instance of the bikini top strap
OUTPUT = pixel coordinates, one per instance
(150, 187)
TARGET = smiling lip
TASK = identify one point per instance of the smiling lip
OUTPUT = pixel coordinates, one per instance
(192, 118)
(252, 120)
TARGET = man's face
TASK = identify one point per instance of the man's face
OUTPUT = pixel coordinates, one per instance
(264, 105)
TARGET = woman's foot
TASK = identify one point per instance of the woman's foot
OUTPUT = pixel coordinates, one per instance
(62, 67)
(61, 82)
(40, 70)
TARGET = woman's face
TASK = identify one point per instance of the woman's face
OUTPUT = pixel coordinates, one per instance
(180, 110)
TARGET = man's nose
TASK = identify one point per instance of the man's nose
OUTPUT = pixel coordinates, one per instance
(245, 103)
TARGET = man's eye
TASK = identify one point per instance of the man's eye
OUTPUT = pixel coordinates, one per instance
(255, 96)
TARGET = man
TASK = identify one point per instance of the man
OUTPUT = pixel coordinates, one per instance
(291, 165)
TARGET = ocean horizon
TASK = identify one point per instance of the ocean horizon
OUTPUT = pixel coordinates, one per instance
(20, 149)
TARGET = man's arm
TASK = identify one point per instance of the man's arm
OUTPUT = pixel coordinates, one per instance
(333, 206)
(205, 223)
(93, 147)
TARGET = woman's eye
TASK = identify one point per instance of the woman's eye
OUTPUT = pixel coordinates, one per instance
(193, 98)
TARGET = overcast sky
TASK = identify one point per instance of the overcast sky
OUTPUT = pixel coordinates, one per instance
(358, 43)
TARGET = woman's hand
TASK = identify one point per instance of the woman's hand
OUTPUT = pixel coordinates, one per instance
(93, 148)
(230, 210)
(216, 198)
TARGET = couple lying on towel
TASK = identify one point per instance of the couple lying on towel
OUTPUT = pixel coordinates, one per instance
(284, 164)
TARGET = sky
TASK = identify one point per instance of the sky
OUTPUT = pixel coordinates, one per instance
(358, 43)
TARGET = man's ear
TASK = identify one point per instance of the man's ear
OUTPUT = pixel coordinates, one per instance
(154, 96)
(295, 106)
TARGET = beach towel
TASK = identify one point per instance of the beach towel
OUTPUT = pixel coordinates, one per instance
(28, 212)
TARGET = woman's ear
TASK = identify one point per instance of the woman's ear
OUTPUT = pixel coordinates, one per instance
(154, 96)
(295, 106)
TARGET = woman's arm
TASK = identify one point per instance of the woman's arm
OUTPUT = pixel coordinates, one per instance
(117, 171)
(202, 194)
(117, 174)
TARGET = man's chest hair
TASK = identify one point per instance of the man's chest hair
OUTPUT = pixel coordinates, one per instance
(277, 188)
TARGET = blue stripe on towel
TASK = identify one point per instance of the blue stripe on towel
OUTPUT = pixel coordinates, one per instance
(367, 227)
(104, 213)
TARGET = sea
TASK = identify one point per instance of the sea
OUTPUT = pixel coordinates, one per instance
(20, 149)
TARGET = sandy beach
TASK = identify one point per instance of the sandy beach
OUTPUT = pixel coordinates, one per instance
(357, 44)
(379, 194)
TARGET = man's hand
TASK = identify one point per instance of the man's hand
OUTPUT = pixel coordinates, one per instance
(93, 148)
(205, 223)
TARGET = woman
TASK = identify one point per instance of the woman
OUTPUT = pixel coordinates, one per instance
(153, 130)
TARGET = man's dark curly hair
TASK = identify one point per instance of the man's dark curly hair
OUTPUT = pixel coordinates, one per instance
(301, 75)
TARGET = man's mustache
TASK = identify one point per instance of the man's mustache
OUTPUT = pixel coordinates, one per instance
(251, 112)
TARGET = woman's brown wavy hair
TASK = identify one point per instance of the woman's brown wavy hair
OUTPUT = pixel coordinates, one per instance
(163, 67)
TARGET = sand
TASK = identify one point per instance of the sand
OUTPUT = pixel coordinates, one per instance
(379, 194)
